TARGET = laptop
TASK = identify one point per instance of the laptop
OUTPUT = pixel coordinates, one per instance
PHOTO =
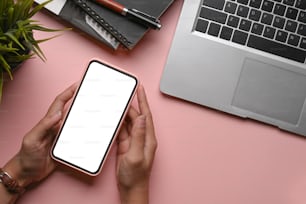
(243, 57)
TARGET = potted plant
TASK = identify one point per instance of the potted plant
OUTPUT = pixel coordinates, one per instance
(17, 42)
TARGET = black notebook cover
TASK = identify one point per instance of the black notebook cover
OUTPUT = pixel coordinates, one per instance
(130, 30)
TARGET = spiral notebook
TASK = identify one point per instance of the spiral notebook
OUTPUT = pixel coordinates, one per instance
(106, 26)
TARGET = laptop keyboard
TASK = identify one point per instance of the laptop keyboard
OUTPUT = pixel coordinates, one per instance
(274, 26)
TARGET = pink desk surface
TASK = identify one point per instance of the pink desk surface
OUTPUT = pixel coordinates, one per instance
(204, 156)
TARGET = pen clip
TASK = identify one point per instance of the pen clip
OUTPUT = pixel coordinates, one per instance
(152, 18)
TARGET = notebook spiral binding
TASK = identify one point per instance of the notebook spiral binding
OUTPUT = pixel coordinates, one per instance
(82, 4)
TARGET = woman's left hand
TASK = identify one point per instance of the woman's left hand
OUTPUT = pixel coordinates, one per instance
(33, 162)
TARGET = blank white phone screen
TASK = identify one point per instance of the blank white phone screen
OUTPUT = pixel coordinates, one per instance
(94, 117)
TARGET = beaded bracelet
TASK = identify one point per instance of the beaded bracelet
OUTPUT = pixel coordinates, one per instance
(9, 183)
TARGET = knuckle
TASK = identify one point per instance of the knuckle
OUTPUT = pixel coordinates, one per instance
(43, 122)
(136, 161)
(26, 141)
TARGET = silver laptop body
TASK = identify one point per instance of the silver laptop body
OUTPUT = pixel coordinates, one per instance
(231, 74)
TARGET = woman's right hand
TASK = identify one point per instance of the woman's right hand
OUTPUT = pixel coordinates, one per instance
(135, 154)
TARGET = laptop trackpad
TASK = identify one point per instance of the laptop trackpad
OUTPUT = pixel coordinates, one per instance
(270, 91)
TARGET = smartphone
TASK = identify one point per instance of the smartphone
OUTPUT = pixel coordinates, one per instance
(94, 117)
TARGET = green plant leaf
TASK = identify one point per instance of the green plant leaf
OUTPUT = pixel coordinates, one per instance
(16, 34)
(6, 66)
(13, 38)
(37, 50)
(26, 5)
(7, 49)
(10, 14)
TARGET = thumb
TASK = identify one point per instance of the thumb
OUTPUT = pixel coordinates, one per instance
(138, 136)
(46, 124)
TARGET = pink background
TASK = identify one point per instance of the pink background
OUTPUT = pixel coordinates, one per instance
(204, 156)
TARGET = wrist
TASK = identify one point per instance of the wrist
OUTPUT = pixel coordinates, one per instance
(134, 195)
(5, 196)
(15, 170)
(11, 183)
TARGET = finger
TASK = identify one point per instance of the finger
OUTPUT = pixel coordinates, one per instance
(131, 116)
(150, 141)
(54, 114)
(142, 101)
(45, 125)
(123, 147)
(132, 113)
(123, 134)
(138, 137)
(60, 101)
(123, 141)
(145, 110)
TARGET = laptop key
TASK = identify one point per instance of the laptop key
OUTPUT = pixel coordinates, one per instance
(267, 5)
(291, 26)
(279, 22)
(276, 48)
(291, 13)
(245, 25)
(213, 15)
(269, 32)
(279, 9)
(233, 21)
(267, 18)
(230, 7)
(301, 4)
(214, 29)
(240, 37)
(293, 39)
(243, 11)
(302, 17)
(217, 4)
(255, 3)
(257, 28)
(281, 36)
(302, 29)
(255, 15)
(303, 43)
(226, 33)
(202, 26)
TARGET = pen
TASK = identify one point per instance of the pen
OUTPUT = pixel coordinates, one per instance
(132, 14)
